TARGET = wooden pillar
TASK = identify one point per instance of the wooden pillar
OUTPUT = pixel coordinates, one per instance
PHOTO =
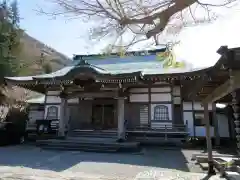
(45, 107)
(66, 117)
(211, 170)
(121, 120)
(215, 123)
(149, 106)
(61, 128)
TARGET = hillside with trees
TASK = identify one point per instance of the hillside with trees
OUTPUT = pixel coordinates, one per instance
(21, 54)
(34, 50)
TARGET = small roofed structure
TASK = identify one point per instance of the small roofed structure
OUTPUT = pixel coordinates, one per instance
(220, 83)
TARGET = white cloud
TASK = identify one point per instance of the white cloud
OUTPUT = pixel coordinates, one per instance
(199, 44)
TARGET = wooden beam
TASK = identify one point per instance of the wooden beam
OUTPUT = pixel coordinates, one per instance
(111, 94)
(192, 87)
(224, 89)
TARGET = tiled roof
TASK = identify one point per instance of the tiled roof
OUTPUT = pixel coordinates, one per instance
(147, 64)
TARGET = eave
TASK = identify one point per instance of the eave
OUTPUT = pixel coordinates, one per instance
(216, 85)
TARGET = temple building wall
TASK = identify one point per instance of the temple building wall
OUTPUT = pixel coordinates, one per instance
(152, 105)
(132, 114)
(223, 125)
(81, 115)
(193, 115)
(158, 106)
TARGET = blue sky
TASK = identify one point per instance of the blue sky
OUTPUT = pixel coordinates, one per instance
(57, 33)
(198, 44)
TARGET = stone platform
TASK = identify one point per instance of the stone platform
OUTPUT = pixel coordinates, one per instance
(89, 144)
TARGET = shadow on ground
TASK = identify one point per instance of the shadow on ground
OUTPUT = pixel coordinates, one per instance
(31, 157)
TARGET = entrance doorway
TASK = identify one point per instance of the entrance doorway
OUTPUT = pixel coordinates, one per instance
(103, 116)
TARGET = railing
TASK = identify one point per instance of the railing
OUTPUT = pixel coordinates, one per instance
(162, 128)
(165, 131)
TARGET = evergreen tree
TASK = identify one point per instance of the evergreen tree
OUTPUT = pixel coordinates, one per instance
(10, 45)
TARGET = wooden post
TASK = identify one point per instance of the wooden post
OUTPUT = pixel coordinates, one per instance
(215, 123)
(186, 126)
(120, 112)
(66, 118)
(211, 170)
(149, 106)
(61, 128)
(165, 132)
(194, 121)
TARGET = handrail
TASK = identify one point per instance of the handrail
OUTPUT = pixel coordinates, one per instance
(166, 128)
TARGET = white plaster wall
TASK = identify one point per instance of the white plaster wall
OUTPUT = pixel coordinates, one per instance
(144, 115)
(161, 97)
(75, 100)
(196, 106)
(200, 131)
(161, 89)
(176, 91)
(138, 98)
(188, 118)
(53, 93)
(35, 115)
(223, 128)
(139, 90)
(169, 110)
(57, 100)
(177, 100)
(53, 99)
(187, 106)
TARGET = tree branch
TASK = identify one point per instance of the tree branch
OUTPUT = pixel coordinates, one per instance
(116, 15)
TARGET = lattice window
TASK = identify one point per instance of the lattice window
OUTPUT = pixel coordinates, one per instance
(143, 115)
(161, 113)
(52, 112)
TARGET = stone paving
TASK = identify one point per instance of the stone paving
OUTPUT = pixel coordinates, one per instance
(30, 163)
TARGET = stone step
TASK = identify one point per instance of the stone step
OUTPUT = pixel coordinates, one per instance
(89, 142)
(93, 146)
(95, 131)
(158, 141)
(95, 139)
(203, 166)
(232, 175)
(87, 149)
(90, 148)
(103, 134)
(91, 135)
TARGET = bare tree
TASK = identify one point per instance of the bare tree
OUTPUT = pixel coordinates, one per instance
(140, 19)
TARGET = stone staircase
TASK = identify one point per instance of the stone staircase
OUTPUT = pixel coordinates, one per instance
(90, 141)
(93, 133)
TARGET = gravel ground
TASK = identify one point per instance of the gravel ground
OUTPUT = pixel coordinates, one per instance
(29, 162)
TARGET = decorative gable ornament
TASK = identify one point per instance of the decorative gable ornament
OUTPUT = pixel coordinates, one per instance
(168, 58)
